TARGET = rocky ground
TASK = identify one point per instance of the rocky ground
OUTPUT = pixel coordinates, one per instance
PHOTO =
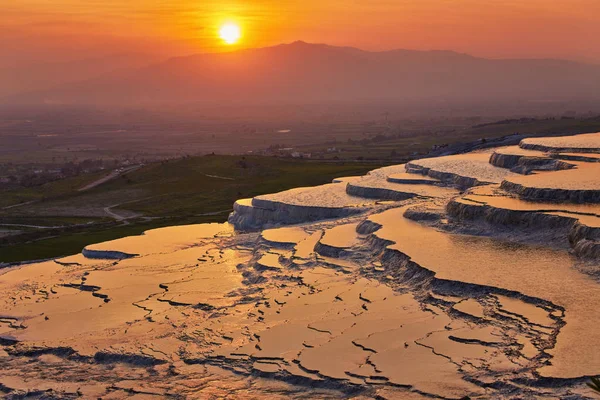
(471, 275)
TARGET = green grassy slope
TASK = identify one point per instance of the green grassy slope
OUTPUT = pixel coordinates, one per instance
(171, 192)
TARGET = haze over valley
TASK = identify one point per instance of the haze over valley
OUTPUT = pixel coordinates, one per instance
(300, 73)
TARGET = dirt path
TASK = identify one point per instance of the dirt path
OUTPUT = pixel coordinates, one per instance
(114, 174)
(34, 226)
(219, 177)
(19, 205)
(123, 218)
(113, 214)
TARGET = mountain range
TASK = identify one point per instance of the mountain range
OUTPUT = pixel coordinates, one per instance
(303, 73)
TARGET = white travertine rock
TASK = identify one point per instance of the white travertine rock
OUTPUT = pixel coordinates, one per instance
(463, 170)
(586, 143)
(444, 294)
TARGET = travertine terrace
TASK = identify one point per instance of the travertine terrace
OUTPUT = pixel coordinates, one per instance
(467, 275)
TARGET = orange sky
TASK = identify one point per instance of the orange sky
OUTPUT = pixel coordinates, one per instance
(490, 28)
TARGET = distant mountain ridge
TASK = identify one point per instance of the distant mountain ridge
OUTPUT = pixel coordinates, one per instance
(301, 72)
(42, 76)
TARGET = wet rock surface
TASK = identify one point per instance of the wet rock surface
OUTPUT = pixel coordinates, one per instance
(586, 143)
(527, 161)
(464, 170)
(579, 185)
(442, 286)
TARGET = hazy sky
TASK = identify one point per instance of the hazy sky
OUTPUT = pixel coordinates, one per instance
(59, 29)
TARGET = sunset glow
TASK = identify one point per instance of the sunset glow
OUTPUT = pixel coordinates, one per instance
(560, 28)
(230, 33)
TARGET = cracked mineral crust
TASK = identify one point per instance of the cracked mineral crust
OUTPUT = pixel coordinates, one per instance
(458, 276)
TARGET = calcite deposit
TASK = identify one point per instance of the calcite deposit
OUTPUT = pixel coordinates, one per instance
(472, 275)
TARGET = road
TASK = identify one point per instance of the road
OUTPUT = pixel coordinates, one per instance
(113, 214)
(219, 177)
(114, 174)
(19, 205)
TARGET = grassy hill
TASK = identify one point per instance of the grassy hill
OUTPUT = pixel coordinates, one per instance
(60, 220)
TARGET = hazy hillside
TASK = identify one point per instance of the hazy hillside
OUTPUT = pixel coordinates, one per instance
(301, 73)
(43, 76)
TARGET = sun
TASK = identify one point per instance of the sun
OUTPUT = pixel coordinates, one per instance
(230, 33)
